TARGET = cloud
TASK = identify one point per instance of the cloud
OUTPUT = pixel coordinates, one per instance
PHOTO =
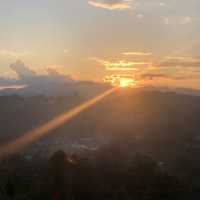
(156, 76)
(22, 71)
(59, 73)
(16, 87)
(120, 79)
(135, 53)
(150, 76)
(179, 62)
(53, 80)
(134, 79)
(26, 76)
(142, 78)
(111, 4)
(121, 65)
(183, 20)
(142, 69)
(14, 54)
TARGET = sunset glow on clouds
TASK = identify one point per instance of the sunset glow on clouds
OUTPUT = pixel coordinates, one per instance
(148, 68)
(120, 65)
(111, 4)
(135, 53)
(122, 80)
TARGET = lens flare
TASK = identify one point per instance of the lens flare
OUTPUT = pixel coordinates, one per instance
(30, 136)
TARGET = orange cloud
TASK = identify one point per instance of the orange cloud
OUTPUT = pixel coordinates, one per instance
(111, 4)
(135, 53)
(121, 80)
(121, 65)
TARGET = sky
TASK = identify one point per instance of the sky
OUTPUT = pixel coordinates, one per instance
(142, 42)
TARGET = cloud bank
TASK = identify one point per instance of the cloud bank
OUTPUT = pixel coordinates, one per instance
(121, 65)
(179, 62)
(145, 68)
(25, 75)
(34, 83)
(53, 81)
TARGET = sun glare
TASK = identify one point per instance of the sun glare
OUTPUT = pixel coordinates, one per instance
(124, 82)
(120, 80)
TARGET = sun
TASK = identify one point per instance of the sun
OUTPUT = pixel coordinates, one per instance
(126, 82)
(120, 80)
(123, 83)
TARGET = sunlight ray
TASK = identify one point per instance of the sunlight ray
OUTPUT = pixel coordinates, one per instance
(44, 129)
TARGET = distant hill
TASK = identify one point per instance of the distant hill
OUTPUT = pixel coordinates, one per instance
(83, 88)
(136, 111)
